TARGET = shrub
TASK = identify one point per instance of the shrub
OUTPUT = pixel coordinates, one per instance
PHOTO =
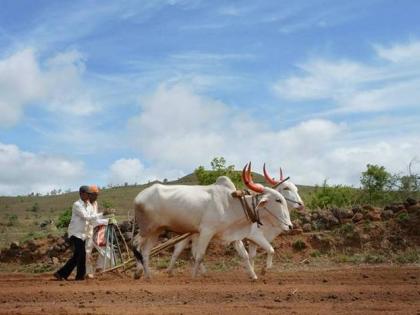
(35, 207)
(294, 215)
(408, 257)
(374, 258)
(316, 253)
(12, 219)
(64, 219)
(403, 217)
(107, 204)
(299, 245)
(333, 196)
(346, 229)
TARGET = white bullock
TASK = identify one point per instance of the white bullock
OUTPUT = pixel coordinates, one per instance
(290, 192)
(210, 211)
(270, 228)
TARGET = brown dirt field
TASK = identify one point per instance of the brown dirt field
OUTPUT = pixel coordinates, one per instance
(314, 290)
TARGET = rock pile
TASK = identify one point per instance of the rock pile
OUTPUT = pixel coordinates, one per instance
(329, 219)
(48, 250)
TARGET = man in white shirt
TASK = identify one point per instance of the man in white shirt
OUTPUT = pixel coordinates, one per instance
(82, 215)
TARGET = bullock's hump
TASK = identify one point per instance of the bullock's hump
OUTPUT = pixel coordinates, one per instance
(225, 181)
(146, 193)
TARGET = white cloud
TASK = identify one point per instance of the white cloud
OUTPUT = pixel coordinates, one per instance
(353, 87)
(58, 86)
(65, 88)
(127, 171)
(324, 80)
(19, 85)
(177, 130)
(24, 172)
(400, 53)
(175, 120)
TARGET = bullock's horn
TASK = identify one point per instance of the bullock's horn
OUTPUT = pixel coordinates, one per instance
(244, 179)
(267, 177)
(247, 178)
(281, 174)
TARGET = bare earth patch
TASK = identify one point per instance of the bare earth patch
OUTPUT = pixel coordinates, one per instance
(347, 289)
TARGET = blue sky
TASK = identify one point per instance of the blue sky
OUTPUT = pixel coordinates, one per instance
(132, 91)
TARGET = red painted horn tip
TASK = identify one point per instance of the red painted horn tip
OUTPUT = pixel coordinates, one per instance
(268, 178)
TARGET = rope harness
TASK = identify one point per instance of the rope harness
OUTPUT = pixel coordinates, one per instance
(293, 201)
(275, 217)
(251, 213)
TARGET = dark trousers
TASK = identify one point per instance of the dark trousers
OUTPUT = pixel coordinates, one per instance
(78, 259)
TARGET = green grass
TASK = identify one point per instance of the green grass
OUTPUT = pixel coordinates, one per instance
(299, 245)
(410, 256)
(361, 258)
(224, 264)
(161, 262)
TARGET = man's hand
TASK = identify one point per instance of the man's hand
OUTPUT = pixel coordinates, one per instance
(112, 220)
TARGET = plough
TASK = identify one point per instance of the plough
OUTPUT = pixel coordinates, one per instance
(119, 260)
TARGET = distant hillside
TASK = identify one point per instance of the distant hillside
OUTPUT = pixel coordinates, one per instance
(121, 198)
(22, 216)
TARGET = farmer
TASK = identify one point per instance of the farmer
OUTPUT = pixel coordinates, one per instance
(82, 215)
(93, 196)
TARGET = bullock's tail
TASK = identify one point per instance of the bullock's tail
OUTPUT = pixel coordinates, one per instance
(137, 254)
(136, 249)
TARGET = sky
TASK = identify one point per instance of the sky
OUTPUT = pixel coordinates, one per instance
(114, 92)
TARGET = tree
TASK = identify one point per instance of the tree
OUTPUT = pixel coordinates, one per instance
(218, 164)
(375, 181)
(219, 168)
(64, 218)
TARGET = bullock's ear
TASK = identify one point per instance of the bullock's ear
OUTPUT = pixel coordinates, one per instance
(262, 202)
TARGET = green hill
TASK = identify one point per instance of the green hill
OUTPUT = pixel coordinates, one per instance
(21, 216)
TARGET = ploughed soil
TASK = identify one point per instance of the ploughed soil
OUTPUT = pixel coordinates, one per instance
(382, 289)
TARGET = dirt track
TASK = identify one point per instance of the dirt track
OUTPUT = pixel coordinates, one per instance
(351, 290)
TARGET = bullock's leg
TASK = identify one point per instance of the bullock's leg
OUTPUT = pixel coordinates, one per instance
(261, 241)
(148, 244)
(240, 248)
(252, 252)
(194, 251)
(202, 243)
(137, 244)
(179, 247)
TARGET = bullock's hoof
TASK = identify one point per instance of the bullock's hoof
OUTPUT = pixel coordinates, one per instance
(203, 270)
(170, 273)
(263, 271)
(137, 274)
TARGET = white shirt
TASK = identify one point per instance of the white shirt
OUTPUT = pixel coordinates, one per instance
(98, 220)
(82, 215)
(93, 210)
